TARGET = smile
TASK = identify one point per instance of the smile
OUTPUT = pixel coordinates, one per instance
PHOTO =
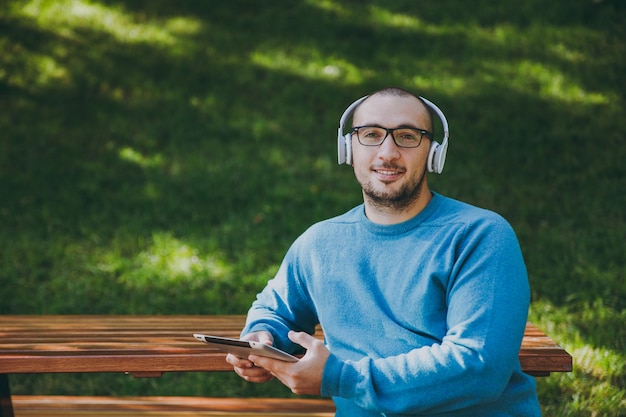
(387, 171)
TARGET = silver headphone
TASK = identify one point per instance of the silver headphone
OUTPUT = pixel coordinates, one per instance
(436, 156)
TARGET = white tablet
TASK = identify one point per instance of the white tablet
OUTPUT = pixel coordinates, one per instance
(243, 348)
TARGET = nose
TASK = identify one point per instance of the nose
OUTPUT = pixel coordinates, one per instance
(388, 150)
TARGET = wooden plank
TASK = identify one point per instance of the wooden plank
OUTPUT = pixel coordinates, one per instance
(42, 406)
(540, 355)
(151, 345)
(33, 344)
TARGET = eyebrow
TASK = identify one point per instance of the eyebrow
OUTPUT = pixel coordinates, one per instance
(402, 126)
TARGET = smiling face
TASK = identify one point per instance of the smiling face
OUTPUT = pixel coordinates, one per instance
(393, 179)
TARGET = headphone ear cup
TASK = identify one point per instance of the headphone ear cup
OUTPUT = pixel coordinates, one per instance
(344, 149)
(344, 142)
(437, 157)
(348, 145)
(341, 149)
(440, 157)
(432, 155)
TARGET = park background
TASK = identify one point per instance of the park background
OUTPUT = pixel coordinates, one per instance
(159, 157)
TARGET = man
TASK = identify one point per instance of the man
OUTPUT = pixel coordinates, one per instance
(423, 299)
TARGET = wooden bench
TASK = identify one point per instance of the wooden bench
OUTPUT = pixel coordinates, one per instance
(148, 346)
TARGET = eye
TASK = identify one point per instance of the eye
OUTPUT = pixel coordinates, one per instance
(371, 132)
(408, 135)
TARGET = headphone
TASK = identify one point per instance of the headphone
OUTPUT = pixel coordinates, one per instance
(436, 155)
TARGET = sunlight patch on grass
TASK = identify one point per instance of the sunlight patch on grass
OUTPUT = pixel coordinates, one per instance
(525, 71)
(386, 18)
(134, 156)
(564, 44)
(68, 17)
(581, 394)
(183, 26)
(329, 6)
(72, 20)
(450, 83)
(566, 53)
(378, 18)
(530, 77)
(309, 63)
(169, 261)
(39, 70)
(600, 362)
(581, 329)
(382, 18)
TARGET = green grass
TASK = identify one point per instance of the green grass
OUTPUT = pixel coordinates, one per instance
(159, 157)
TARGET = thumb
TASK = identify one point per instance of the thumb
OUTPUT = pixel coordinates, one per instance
(260, 336)
(303, 339)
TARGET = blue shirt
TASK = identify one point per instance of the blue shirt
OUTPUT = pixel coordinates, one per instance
(424, 317)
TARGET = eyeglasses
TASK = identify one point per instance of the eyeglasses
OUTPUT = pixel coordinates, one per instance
(404, 137)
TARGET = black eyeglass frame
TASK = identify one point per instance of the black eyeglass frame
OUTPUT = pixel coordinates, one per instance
(422, 133)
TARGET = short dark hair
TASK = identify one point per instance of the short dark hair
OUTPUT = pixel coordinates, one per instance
(401, 92)
(394, 91)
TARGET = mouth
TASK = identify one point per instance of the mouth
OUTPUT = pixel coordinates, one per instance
(388, 172)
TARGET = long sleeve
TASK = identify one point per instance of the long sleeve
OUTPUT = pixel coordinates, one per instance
(282, 306)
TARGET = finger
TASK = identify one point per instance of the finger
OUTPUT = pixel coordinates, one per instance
(254, 374)
(238, 362)
(274, 366)
(260, 361)
(261, 336)
(265, 338)
(303, 339)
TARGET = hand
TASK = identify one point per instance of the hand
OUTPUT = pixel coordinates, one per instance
(244, 367)
(305, 376)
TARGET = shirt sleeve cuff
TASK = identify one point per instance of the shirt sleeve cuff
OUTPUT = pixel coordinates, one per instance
(331, 377)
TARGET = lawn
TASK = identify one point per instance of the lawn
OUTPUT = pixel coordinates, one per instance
(159, 157)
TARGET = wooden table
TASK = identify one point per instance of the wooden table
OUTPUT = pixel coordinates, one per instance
(148, 346)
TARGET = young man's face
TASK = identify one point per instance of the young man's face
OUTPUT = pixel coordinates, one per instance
(391, 176)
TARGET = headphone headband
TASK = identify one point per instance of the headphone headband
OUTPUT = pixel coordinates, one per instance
(436, 156)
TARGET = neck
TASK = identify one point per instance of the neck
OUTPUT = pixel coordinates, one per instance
(386, 214)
